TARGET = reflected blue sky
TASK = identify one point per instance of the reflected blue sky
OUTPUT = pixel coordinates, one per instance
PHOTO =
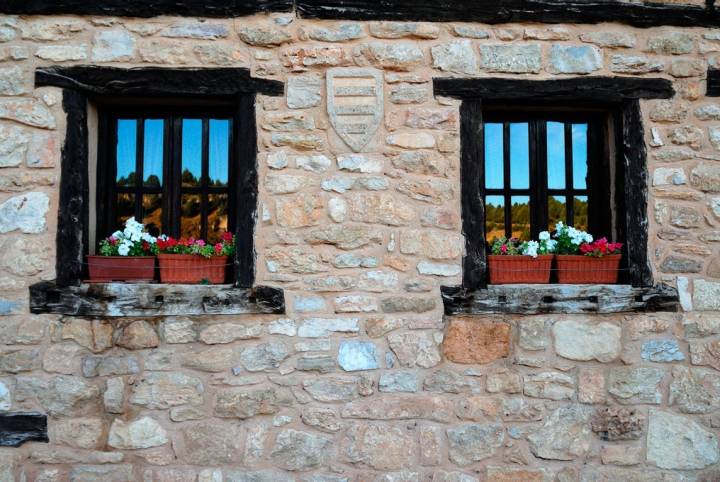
(218, 155)
(153, 151)
(520, 157)
(126, 148)
(191, 152)
(192, 148)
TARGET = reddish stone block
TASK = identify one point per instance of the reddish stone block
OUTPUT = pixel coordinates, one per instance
(471, 340)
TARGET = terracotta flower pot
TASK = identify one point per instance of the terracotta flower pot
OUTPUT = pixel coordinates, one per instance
(105, 269)
(192, 268)
(519, 269)
(577, 269)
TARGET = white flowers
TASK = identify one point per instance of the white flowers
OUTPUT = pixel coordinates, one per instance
(544, 246)
(530, 248)
(124, 248)
(129, 241)
(576, 236)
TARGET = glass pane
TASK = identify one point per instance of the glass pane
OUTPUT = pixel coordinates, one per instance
(494, 217)
(519, 156)
(153, 152)
(125, 209)
(580, 212)
(219, 151)
(580, 155)
(126, 152)
(494, 178)
(556, 155)
(217, 217)
(557, 211)
(520, 212)
(191, 152)
(152, 213)
(190, 216)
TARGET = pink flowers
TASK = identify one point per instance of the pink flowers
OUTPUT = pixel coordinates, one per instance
(600, 248)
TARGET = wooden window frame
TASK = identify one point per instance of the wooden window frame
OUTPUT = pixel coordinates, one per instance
(538, 191)
(171, 190)
(618, 96)
(82, 84)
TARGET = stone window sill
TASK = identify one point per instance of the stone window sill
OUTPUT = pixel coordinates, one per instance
(147, 299)
(558, 298)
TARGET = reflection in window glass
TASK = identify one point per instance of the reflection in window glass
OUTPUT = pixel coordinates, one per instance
(126, 152)
(494, 156)
(494, 217)
(556, 155)
(580, 154)
(519, 156)
(219, 155)
(152, 213)
(190, 216)
(191, 152)
(580, 212)
(557, 211)
(217, 216)
(520, 212)
(125, 209)
(153, 152)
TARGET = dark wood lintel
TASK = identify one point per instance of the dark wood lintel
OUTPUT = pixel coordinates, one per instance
(157, 81)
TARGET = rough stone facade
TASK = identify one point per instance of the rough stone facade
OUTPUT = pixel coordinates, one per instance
(363, 378)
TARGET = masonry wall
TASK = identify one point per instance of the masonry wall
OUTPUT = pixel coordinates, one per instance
(363, 378)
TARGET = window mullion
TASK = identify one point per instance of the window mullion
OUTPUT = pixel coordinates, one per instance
(139, 168)
(204, 180)
(176, 188)
(569, 198)
(506, 179)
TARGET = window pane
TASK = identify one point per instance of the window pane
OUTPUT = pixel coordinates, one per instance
(126, 152)
(494, 217)
(519, 156)
(153, 152)
(556, 155)
(520, 211)
(580, 212)
(219, 155)
(152, 213)
(494, 178)
(217, 216)
(579, 152)
(125, 209)
(191, 152)
(557, 211)
(190, 216)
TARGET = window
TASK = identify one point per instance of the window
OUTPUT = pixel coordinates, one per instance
(541, 168)
(168, 168)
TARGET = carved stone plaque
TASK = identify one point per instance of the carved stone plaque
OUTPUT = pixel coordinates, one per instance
(355, 104)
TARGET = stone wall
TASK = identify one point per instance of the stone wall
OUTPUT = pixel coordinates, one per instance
(363, 378)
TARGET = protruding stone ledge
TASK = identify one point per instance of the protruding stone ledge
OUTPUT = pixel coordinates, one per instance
(555, 298)
(20, 427)
(124, 299)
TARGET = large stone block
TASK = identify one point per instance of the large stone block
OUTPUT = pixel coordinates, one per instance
(636, 385)
(474, 442)
(565, 435)
(583, 340)
(380, 447)
(469, 340)
(211, 443)
(142, 433)
(677, 442)
(295, 450)
(25, 213)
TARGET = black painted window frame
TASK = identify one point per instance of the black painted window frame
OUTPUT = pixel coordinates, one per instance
(171, 189)
(618, 96)
(83, 84)
(538, 191)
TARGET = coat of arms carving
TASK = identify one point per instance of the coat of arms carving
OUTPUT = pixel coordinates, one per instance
(355, 104)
